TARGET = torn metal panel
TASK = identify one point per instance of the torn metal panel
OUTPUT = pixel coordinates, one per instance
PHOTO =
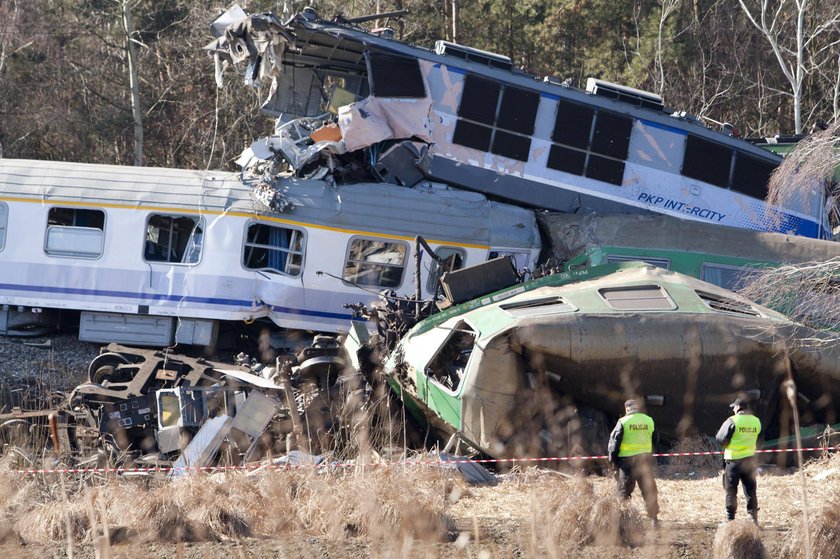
(376, 119)
(204, 445)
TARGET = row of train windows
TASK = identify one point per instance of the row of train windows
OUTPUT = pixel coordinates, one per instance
(721, 275)
(79, 233)
(589, 142)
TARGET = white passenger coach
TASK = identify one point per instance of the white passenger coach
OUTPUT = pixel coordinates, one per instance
(155, 256)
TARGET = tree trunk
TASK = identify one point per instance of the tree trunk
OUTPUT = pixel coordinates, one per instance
(131, 54)
(456, 25)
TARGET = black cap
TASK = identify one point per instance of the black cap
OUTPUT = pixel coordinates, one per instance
(741, 402)
(631, 405)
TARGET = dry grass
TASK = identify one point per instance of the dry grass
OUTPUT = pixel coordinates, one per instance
(823, 530)
(416, 511)
(374, 504)
(738, 539)
(704, 466)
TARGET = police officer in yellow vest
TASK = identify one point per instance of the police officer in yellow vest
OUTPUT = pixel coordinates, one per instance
(630, 448)
(738, 436)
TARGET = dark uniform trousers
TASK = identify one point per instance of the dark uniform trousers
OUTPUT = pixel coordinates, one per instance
(741, 471)
(638, 469)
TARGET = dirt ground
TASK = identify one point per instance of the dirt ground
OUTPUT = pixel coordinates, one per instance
(508, 520)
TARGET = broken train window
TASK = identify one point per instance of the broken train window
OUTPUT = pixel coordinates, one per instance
(447, 368)
(725, 304)
(274, 249)
(495, 117)
(637, 298)
(4, 218)
(453, 259)
(590, 143)
(394, 76)
(375, 262)
(75, 232)
(173, 238)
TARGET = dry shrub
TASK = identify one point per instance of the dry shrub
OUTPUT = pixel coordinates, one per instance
(706, 465)
(823, 531)
(194, 508)
(273, 512)
(560, 517)
(613, 522)
(374, 503)
(738, 539)
(48, 522)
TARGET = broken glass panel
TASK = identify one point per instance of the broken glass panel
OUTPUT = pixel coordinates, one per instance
(375, 262)
(447, 368)
(453, 259)
(172, 238)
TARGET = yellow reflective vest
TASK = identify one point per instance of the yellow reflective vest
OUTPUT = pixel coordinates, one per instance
(636, 435)
(744, 437)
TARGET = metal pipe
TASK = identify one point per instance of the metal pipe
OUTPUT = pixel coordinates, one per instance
(383, 15)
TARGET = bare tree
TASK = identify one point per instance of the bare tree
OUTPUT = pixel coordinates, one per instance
(131, 55)
(791, 30)
(806, 293)
(667, 7)
(811, 164)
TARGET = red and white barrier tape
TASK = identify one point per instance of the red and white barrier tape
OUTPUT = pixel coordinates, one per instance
(336, 465)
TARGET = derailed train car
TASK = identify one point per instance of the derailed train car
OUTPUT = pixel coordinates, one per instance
(151, 256)
(544, 366)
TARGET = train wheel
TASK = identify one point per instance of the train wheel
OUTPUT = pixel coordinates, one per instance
(107, 363)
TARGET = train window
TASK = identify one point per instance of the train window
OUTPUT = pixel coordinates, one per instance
(519, 110)
(486, 124)
(375, 262)
(572, 124)
(75, 232)
(453, 259)
(520, 258)
(447, 368)
(637, 298)
(274, 249)
(394, 76)
(589, 143)
(4, 218)
(612, 134)
(725, 304)
(566, 159)
(752, 175)
(605, 169)
(707, 161)
(479, 100)
(511, 145)
(728, 277)
(663, 263)
(175, 239)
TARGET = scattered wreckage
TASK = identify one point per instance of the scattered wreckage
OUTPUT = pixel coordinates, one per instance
(150, 408)
(501, 367)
